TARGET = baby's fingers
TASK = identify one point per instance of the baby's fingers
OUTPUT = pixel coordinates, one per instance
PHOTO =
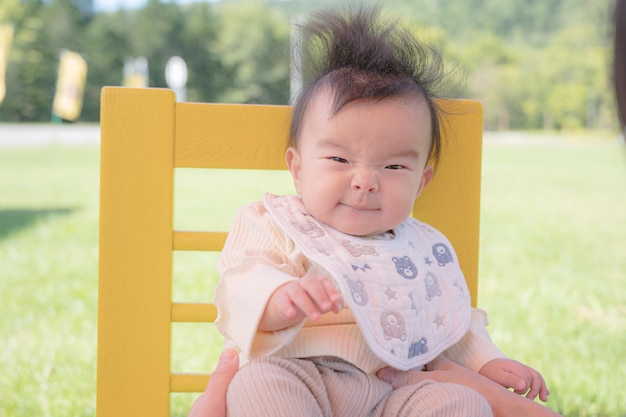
(333, 295)
(544, 392)
(537, 387)
(322, 293)
(300, 299)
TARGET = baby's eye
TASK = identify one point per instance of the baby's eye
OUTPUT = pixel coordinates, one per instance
(338, 159)
(395, 166)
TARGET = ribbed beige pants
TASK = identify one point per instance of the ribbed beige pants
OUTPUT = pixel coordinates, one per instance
(330, 387)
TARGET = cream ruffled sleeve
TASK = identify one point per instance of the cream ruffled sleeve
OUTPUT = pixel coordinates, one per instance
(475, 349)
(257, 259)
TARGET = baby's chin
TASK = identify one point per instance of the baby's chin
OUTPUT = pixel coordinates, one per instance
(358, 227)
(363, 232)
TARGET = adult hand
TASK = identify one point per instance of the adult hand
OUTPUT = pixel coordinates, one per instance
(212, 402)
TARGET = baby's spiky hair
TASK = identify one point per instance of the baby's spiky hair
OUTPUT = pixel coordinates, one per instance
(359, 55)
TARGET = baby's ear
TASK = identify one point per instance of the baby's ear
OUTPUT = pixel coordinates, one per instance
(427, 177)
(294, 163)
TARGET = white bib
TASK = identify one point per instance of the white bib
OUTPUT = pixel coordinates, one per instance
(408, 294)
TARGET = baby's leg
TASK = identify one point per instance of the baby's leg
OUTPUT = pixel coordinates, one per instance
(279, 388)
(352, 392)
(316, 387)
(436, 399)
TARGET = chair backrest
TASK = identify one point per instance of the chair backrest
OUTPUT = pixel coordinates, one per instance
(145, 136)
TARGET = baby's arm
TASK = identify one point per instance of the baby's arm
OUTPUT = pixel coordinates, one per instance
(513, 374)
(256, 262)
(477, 352)
(503, 402)
(309, 296)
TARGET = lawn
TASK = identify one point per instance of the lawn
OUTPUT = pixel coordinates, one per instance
(553, 262)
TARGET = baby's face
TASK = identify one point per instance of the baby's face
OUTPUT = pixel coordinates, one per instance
(360, 170)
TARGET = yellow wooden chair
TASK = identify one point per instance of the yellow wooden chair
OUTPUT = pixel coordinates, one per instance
(145, 136)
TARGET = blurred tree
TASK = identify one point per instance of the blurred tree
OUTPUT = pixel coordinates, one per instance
(199, 49)
(538, 64)
(551, 75)
(106, 44)
(157, 36)
(41, 31)
(253, 45)
(11, 11)
(575, 93)
(30, 83)
(64, 25)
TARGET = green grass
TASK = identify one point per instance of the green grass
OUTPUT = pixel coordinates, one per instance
(552, 271)
(553, 262)
(48, 242)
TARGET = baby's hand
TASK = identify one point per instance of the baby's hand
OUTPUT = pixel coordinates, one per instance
(521, 378)
(309, 296)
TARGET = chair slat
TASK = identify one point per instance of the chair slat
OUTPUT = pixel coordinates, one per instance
(135, 252)
(199, 241)
(188, 382)
(193, 312)
(220, 136)
(451, 202)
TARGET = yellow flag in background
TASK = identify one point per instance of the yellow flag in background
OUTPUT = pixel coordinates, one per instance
(135, 72)
(68, 100)
(6, 37)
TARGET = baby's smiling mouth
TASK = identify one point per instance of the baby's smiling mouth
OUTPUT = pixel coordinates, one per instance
(359, 207)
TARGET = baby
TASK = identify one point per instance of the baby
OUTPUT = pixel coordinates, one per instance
(321, 290)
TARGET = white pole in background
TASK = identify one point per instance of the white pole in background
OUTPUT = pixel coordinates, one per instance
(176, 77)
